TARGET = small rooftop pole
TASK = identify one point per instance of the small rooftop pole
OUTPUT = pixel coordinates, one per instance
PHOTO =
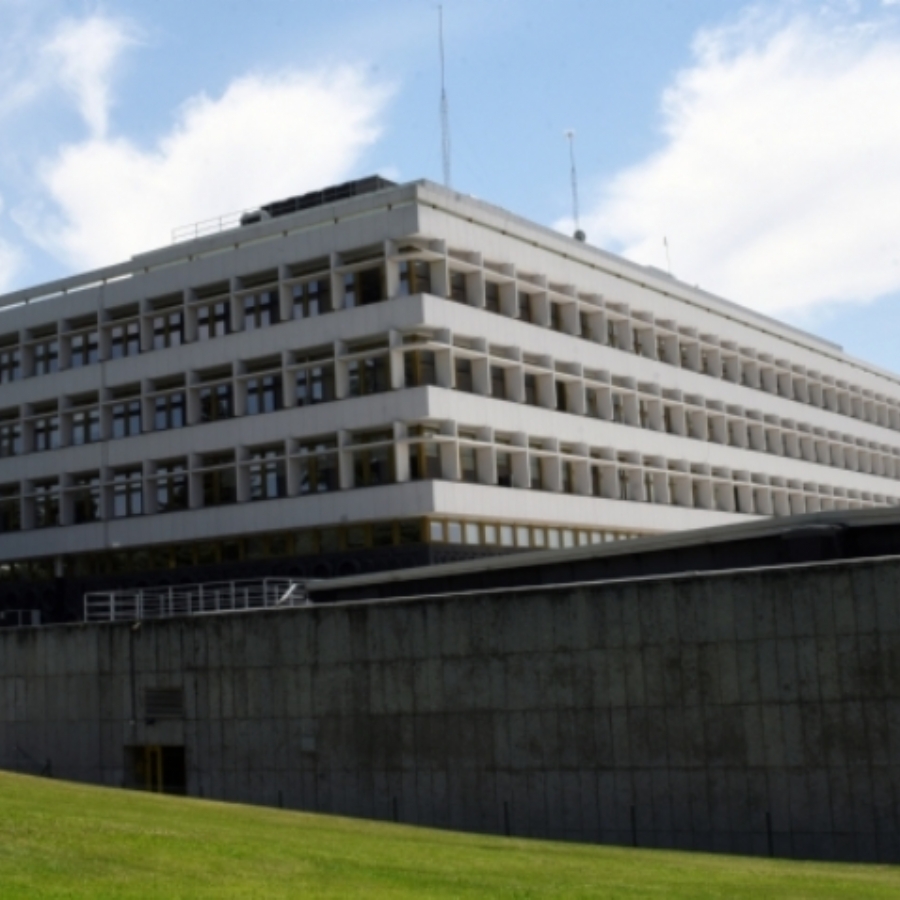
(579, 234)
(445, 111)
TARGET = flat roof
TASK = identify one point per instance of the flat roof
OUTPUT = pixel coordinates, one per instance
(384, 194)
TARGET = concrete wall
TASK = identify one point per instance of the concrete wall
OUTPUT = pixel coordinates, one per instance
(685, 712)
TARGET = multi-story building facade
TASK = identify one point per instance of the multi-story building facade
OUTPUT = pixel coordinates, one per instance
(398, 376)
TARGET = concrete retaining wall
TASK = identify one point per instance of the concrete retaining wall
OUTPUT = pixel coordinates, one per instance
(743, 712)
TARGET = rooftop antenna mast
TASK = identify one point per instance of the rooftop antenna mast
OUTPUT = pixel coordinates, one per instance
(445, 110)
(579, 234)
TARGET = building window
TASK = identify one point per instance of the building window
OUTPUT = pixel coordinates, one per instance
(468, 464)
(612, 333)
(463, 368)
(373, 462)
(84, 348)
(215, 403)
(536, 469)
(414, 277)
(171, 486)
(618, 408)
(46, 357)
(368, 376)
(10, 435)
(267, 474)
(623, 484)
(10, 364)
(124, 339)
(264, 394)
(492, 296)
(673, 492)
(218, 482)
(363, 287)
(168, 411)
(556, 317)
(524, 306)
(85, 425)
(562, 397)
(261, 310)
(85, 494)
(46, 503)
(419, 368)
(46, 430)
(168, 329)
(127, 493)
(126, 417)
(213, 320)
(315, 384)
(498, 382)
(458, 289)
(318, 467)
(504, 469)
(424, 456)
(584, 325)
(644, 413)
(311, 298)
(10, 508)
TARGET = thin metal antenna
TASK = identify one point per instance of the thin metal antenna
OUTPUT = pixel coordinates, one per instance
(668, 258)
(445, 110)
(579, 234)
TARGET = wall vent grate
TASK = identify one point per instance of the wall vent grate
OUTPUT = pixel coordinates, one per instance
(164, 703)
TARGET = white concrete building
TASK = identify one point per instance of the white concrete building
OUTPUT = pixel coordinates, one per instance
(406, 367)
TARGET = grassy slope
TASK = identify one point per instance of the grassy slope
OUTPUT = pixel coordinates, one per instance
(59, 839)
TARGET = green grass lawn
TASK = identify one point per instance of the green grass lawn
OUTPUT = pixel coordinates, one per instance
(59, 839)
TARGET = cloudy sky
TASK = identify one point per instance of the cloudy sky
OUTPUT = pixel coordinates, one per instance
(760, 141)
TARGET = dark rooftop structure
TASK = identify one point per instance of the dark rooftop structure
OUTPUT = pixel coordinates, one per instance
(820, 537)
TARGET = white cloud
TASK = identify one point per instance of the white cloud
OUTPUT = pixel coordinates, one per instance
(10, 261)
(264, 138)
(76, 56)
(778, 182)
(82, 54)
(10, 265)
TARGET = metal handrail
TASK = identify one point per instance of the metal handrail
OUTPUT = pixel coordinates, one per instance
(202, 598)
(208, 226)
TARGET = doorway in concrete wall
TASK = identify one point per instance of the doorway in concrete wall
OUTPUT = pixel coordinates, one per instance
(156, 768)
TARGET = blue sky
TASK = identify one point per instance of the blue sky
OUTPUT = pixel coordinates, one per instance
(760, 139)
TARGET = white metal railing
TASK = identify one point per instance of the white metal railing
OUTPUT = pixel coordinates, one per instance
(136, 604)
(208, 226)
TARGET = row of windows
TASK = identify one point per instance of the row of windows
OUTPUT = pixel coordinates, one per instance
(317, 287)
(370, 366)
(567, 388)
(427, 451)
(211, 312)
(476, 456)
(314, 542)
